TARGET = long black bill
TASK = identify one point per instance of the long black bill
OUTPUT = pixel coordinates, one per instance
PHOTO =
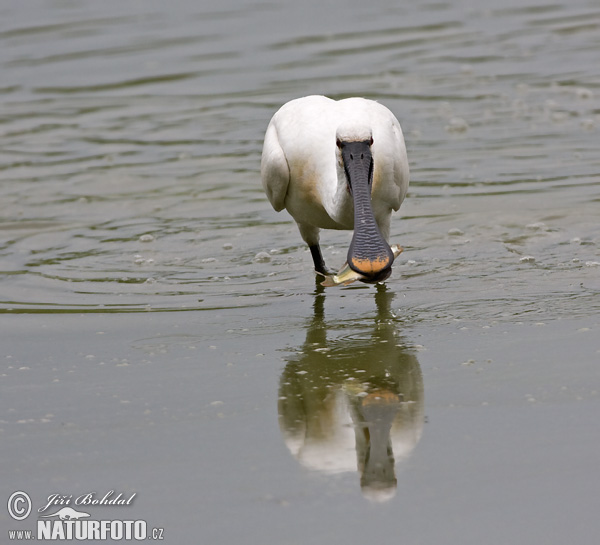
(369, 254)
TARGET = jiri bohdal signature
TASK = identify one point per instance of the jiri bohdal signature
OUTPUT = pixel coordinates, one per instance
(89, 498)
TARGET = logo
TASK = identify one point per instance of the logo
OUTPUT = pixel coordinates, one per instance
(19, 505)
(60, 518)
(67, 513)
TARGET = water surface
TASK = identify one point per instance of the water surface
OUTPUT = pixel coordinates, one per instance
(146, 348)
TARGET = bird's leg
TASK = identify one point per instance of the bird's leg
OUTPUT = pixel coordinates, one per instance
(310, 235)
(315, 251)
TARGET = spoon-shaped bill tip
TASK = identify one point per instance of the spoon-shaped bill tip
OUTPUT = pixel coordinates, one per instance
(346, 275)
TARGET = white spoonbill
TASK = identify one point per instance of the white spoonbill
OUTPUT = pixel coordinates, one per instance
(338, 165)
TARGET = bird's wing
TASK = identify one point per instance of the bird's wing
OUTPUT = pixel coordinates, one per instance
(401, 170)
(274, 169)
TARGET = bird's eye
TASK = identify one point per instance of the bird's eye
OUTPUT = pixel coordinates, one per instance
(338, 143)
(371, 141)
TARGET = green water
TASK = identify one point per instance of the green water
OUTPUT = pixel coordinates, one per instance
(146, 348)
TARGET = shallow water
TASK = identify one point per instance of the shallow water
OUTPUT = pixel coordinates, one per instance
(162, 332)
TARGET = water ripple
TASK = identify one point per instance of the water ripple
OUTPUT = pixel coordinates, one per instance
(150, 124)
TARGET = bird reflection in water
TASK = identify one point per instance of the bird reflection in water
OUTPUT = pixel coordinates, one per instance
(353, 402)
